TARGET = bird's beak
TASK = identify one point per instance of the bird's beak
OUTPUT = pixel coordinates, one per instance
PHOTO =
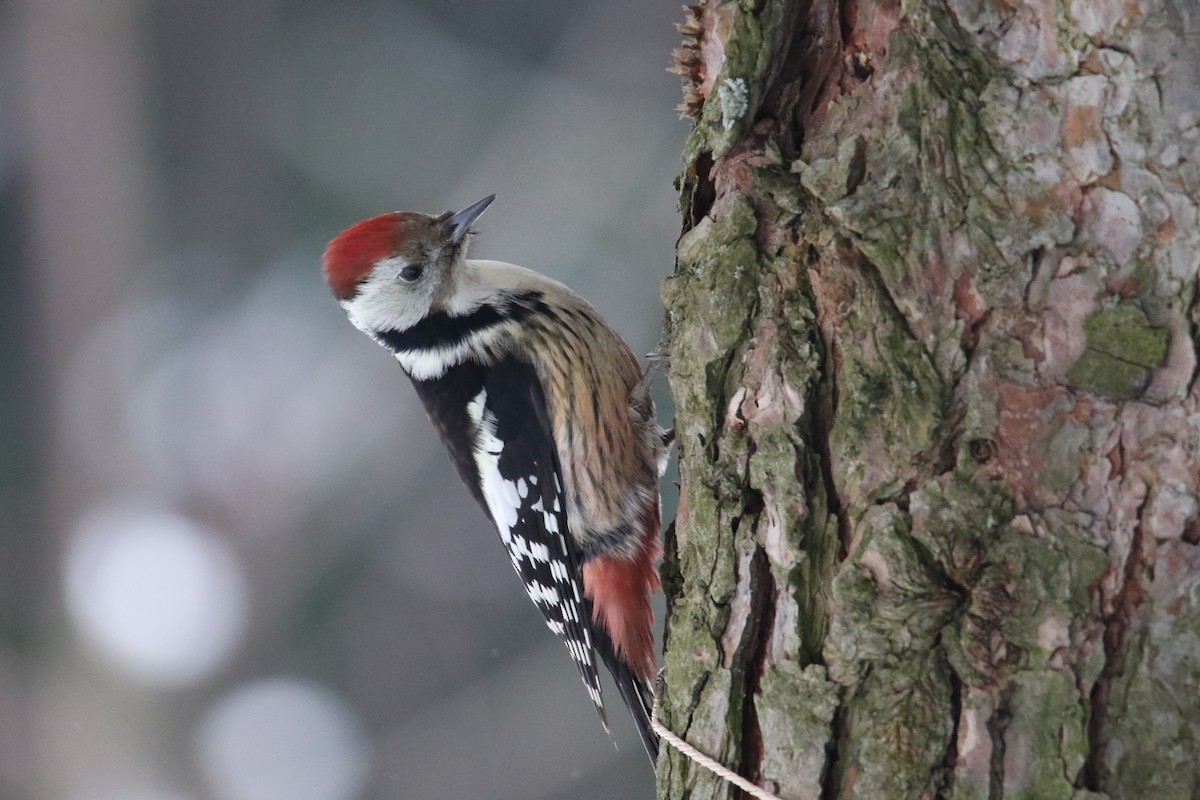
(457, 225)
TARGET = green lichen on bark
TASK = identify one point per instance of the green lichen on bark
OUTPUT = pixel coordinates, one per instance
(796, 706)
(1045, 758)
(1150, 707)
(1122, 350)
(744, 364)
(708, 302)
(746, 70)
(888, 375)
(891, 605)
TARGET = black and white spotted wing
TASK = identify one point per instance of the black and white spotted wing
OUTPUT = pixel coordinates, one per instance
(512, 468)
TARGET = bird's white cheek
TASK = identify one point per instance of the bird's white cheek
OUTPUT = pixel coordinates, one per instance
(385, 307)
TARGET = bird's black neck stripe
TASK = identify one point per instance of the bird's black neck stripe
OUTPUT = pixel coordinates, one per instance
(440, 331)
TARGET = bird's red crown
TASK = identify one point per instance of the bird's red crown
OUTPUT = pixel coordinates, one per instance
(352, 255)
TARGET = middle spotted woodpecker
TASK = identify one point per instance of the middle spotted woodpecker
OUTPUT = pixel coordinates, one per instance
(547, 418)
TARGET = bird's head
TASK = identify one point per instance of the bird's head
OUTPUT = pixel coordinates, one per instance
(390, 271)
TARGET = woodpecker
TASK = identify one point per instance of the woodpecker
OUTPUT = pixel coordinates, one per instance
(547, 417)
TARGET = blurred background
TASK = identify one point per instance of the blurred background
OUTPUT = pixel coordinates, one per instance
(235, 564)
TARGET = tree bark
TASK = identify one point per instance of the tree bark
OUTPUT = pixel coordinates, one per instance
(934, 362)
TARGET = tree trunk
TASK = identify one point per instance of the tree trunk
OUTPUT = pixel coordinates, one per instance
(933, 355)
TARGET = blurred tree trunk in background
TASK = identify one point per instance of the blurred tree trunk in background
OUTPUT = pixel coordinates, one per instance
(934, 364)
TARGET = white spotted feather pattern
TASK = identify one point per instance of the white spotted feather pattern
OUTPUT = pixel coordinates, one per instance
(532, 523)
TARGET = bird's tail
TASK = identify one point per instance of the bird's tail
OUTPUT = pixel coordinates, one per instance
(639, 699)
(637, 693)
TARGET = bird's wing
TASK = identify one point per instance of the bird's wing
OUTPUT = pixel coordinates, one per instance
(517, 465)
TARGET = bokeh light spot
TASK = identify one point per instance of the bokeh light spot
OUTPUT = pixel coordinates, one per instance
(282, 737)
(159, 597)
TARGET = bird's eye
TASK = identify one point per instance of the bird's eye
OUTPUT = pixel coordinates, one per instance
(412, 272)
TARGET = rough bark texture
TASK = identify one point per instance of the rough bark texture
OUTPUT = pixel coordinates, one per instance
(933, 353)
